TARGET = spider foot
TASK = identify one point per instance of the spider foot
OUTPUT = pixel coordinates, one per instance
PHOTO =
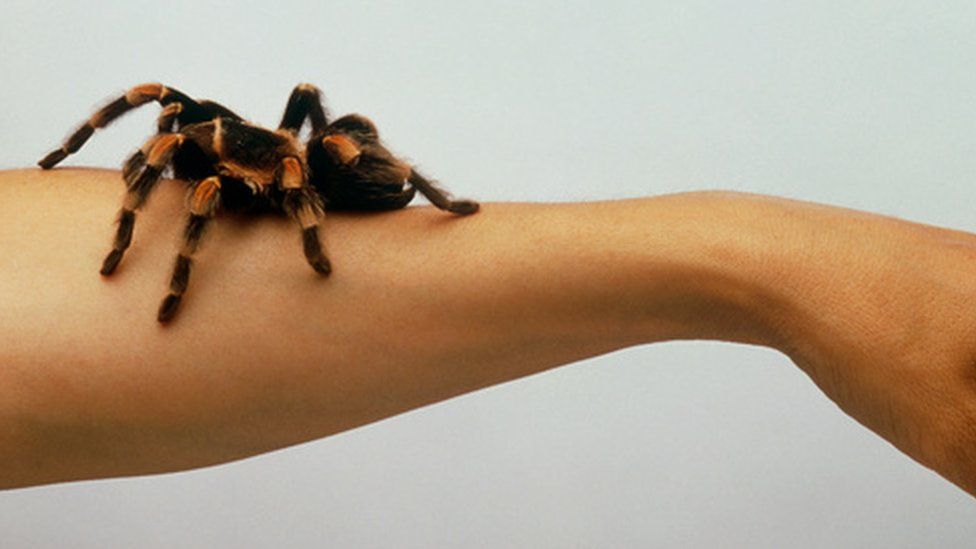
(313, 251)
(321, 265)
(52, 159)
(111, 262)
(463, 207)
(168, 308)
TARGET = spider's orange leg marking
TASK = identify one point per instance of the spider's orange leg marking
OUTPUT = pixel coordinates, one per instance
(204, 197)
(342, 149)
(203, 202)
(163, 149)
(144, 93)
(304, 205)
(291, 174)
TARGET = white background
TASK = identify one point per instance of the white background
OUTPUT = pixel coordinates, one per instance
(856, 103)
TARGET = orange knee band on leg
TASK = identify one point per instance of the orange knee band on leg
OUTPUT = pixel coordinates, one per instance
(292, 175)
(204, 196)
(163, 149)
(144, 93)
(341, 148)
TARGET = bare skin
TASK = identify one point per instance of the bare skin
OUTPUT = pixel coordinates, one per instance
(424, 306)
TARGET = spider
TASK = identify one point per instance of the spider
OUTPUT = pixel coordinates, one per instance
(231, 164)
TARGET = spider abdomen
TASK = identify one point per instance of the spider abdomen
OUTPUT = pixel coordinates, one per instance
(376, 181)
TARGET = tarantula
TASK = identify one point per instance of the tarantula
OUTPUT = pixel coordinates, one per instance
(231, 164)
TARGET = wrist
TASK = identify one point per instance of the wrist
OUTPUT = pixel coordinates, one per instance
(709, 265)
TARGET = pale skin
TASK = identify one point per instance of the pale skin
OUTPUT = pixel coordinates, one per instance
(423, 306)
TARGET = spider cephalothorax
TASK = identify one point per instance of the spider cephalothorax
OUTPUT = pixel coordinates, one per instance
(229, 163)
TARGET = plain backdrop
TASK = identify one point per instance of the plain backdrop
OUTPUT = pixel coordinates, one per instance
(867, 104)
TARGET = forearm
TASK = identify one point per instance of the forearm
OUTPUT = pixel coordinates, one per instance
(421, 307)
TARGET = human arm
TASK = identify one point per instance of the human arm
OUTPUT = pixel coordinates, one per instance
(424, 306)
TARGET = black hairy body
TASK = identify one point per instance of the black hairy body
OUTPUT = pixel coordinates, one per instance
(231, 164)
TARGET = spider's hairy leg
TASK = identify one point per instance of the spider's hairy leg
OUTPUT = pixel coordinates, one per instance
(136, 162)
(133, 98)
(167, 117)
(164, 124)
(439, 197)
(303, 204)
(356, 124)
(189, 111)
(160, 154)
(305, 102)
(203, 201)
